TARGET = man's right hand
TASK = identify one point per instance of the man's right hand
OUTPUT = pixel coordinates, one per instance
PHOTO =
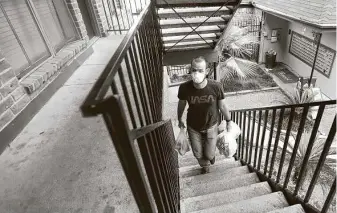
(181, 125)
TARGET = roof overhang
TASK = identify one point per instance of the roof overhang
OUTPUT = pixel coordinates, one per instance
(319, 27)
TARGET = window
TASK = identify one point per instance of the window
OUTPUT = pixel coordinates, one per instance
(33, 30)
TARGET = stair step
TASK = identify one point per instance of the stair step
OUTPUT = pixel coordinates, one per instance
(185, 48)
(194, 22)
(188, 171)
(188, 43)
(194, 3)
(174, 39)
(185, 30)
(261, 204)
(290, 209)
(212, 186)
(225, 197)
(189, 159)
(218, 174)
(193, 11)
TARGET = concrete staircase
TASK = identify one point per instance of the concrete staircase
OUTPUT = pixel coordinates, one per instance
(228, 188)
(174, 29)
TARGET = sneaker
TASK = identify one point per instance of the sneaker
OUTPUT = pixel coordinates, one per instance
(213, 160)
(205, 170)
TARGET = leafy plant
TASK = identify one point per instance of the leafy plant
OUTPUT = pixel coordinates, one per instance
(234, 48)
(327, 172)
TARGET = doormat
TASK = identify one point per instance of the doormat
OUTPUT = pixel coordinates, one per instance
(285, 75)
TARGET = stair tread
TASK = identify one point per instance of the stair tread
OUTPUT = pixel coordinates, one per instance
(195, 169)
(212, 186)
(182, 43)
(185, 48)
(191, 10)
(191, 160)
(290, 209)
(216, 175)
(188, 29)
(204, 35)
(190, 20)
(225, 197)
(261, 204)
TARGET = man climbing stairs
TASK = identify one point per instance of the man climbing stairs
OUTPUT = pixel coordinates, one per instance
(229, 188)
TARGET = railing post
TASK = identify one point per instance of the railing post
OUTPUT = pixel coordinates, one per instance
(115, 120)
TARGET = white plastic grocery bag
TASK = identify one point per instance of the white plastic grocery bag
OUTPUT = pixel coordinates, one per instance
(226, 141)
(182, 143)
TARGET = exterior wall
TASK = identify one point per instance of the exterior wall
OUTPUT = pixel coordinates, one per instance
(270, 22)
(327, 85)
(100, 16)
(16, 94)
(77, 18)
(12, 96)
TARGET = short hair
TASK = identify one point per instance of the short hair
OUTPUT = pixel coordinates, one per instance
(199, 59)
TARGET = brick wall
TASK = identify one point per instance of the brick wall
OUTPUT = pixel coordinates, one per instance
(78, 19)
(100, 16)
(12, 96)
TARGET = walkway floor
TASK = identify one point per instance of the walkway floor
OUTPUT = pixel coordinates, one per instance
(62, 162)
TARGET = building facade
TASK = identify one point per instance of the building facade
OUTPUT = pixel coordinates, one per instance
(39, 39)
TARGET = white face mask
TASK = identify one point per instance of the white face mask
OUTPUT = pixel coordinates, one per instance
(198, 77)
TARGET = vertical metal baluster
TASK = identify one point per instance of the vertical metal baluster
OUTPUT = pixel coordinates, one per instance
(142, 76)
(114, 88)
(162, 161)
(127, 97)
(116, 123)
(310, 145)
(240, 136)
(135, 63)
(106, 15)
(119, 23)
(243, 135)
(133, 89)
(321, 160)
(257, 138)
(285, 144)
(329, 198)
(252, 139)
(297, 143)
(146, 73)
(275, 149)
(150, 72)
(146, 147)
(248, 139)
(133, 20)
(270, 140)
(262, 139)
(127, 16)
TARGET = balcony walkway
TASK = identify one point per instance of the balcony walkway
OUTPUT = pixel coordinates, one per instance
(62, 162)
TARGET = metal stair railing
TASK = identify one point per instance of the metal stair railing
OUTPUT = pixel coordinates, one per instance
(254, 124)
(128, 95)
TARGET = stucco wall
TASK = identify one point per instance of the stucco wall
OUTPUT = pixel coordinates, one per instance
(272, 22)
(327, 84)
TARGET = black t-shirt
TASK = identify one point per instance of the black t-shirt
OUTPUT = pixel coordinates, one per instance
(203, 111)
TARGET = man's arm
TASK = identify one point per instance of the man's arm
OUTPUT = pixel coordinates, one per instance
(181, 108)
(224, 110)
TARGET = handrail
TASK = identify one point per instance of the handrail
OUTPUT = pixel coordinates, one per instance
(268, 145)
(104, 81)
(311, 104)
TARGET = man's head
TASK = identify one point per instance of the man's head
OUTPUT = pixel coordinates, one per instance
(199, 69)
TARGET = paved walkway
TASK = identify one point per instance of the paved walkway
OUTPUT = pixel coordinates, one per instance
(62, 162)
